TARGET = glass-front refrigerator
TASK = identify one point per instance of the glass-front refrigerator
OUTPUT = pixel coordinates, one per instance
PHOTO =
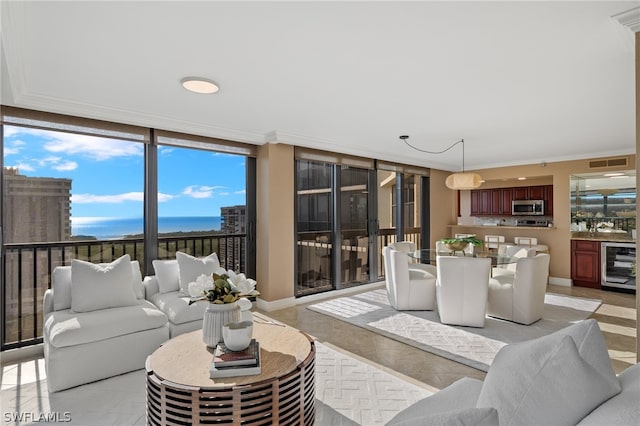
(618, 266)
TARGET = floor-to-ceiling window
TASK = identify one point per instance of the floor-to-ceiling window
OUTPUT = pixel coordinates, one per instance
(354, 218)
(75, 188)
(314, 225)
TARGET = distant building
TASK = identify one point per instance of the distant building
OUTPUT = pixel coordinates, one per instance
(234, 222)
(234, 219)
(35, 209)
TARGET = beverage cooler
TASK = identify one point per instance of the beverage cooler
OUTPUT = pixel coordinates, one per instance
(618, 266)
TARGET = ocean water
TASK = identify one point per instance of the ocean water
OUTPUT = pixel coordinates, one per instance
(114, 228)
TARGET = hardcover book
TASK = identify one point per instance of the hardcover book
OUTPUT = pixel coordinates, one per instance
(223, 357)
(247, 366)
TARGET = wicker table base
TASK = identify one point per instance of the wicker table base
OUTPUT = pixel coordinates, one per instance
(180, 392)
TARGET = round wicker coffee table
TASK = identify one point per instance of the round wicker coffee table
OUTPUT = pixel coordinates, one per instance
(179, 390)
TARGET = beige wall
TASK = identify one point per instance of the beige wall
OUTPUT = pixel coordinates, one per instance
(444, 209)
(275, 235)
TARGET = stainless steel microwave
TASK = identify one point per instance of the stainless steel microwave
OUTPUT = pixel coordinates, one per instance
(527, 207)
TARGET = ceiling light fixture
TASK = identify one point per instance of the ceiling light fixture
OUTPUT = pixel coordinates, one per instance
(522, 178)
(199, 85)
(457, 181)
(613, 174)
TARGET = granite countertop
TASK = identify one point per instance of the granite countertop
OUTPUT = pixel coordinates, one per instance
(602, 236)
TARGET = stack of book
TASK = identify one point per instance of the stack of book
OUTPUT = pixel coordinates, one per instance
(227, 363)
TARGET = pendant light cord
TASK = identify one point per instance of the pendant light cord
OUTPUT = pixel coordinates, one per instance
(405, 137)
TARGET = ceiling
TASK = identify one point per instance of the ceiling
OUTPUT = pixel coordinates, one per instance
(521, 82)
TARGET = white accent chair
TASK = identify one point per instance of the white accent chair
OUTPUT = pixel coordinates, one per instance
(407, 289)
(82, 347)
(512, 251)
(520, 298)
(409, 247)
(461, 289)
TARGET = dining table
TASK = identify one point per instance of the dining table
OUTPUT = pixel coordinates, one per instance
(429, 256)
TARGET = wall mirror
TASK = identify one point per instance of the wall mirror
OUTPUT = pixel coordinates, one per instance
(603, 201)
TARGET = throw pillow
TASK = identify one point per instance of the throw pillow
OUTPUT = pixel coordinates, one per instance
(543, 381)
(192, 267)
(95, 287)
(167, 274)
(459, 417)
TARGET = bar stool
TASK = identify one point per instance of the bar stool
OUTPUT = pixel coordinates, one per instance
(531, 242)
(492, 242)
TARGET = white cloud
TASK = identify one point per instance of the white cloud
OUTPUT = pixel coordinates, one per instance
(93, 147)
(164, 197)
(241, 192)
(163, 150)
(65, 166)
(109, 199)
(199, 191)
(23, 167)
(13, 147)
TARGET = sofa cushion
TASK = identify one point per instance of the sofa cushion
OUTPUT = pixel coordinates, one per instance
(62, 285)
(95, 286)
(192, 267)
(167, 274)
(459, 417)
(461, 394)
(624, 408)
(176, 307)
(66, 328)
(547, 380)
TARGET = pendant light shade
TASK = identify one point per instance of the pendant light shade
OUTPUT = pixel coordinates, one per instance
(456, 181)
(460, 181)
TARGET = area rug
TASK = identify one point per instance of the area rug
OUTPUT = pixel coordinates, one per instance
(471, 346)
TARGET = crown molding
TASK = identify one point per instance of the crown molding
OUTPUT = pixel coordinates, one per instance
(629, 19)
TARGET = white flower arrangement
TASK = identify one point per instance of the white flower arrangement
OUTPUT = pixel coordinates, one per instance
(222, 287)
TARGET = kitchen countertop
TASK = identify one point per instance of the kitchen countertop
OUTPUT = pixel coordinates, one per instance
(602, 236)
(505, 227)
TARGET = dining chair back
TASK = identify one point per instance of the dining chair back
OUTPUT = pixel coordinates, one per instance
(408, 289)
(461, 289)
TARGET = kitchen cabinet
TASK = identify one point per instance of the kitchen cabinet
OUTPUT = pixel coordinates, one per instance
(585, 263)
(497, 202)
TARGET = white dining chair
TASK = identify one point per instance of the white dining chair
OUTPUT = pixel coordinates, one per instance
(520, 297)
(407, 289)
(461, 289)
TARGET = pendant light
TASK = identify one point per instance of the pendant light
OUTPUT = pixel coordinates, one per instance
(459, 180)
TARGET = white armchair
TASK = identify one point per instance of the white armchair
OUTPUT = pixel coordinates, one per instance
(520, 298)
(407, 289)
(513, 251)
(461, 289)
(409, 247)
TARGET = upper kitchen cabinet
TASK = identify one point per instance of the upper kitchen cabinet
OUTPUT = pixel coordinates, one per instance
(603, 201)
(497, 201)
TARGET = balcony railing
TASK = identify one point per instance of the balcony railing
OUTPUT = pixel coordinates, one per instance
(27, 269)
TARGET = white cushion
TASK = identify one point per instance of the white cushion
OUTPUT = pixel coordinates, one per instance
(461, 394)
(176, 307)
(61, 288)
(458, 417)
(624, 408)
(67, 328)
(168, 275)
(62, 285)
(548, 380)
(95, 286)
(192, 267)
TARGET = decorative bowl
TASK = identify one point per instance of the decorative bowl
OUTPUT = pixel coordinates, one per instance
(457, 246)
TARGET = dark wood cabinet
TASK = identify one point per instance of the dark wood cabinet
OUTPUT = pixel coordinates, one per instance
(585, 263)
(497, 202)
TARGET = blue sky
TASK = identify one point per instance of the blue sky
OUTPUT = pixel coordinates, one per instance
(107, 174)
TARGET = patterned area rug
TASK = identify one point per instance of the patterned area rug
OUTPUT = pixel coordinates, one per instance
(475, 347)
(352, 392)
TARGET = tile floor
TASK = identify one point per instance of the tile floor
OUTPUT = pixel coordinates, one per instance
(22, 383)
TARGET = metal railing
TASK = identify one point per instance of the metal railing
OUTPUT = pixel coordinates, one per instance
(27, 270)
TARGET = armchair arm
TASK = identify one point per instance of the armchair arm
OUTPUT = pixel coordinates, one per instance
(47, 302)
(151, 287)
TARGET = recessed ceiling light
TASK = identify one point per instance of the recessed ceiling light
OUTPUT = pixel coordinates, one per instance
(617, 177)
(522, 178)
(613, 174)
(199, 85)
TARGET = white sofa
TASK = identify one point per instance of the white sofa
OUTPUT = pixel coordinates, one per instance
(564, 378)
(168, 290)
(97, 323)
